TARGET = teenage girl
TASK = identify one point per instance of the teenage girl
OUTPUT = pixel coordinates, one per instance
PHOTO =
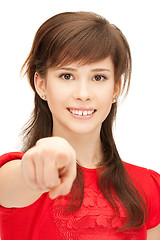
(69, 181)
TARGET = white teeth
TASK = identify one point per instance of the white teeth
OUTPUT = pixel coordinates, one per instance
(90, 112)
(80, 112)
(85, 113)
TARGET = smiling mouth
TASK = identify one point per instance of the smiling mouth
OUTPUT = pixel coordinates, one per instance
(81, 112)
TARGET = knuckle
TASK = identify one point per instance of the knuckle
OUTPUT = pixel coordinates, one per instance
(52, 184)
(27, 156)
(62, 155)
(31, 154)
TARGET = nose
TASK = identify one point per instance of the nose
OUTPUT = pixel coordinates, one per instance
(83, 91)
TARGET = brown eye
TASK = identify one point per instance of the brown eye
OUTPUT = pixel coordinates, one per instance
(99, 78)
(67, 76)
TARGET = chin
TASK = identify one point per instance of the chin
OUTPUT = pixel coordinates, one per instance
(83, 130)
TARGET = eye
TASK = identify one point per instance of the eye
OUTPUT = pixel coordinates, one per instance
(99, 78)
(67, 76)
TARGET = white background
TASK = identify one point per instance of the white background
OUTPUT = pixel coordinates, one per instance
(138, 121)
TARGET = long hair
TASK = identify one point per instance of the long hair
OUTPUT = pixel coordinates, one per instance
(86, 38)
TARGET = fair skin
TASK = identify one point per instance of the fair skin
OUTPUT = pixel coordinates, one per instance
(80, 98)
(80, 88)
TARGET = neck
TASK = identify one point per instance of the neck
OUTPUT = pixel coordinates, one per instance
(89, 151)
(88, 148)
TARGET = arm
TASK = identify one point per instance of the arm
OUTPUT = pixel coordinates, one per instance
(50, 166)
(14, 192)
(154, 233)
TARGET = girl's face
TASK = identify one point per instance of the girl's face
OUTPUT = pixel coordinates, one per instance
(79, 96)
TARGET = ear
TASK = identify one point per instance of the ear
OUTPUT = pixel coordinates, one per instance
(117, 90)
(40, 85)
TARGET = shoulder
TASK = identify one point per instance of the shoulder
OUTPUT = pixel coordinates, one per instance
(144, 179)
(134, 169)
(141, 174)
(148, 183)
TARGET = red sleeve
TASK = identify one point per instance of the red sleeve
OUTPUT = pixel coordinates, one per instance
(154, 200)
(9, 157)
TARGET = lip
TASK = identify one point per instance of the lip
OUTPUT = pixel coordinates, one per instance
(82, 109)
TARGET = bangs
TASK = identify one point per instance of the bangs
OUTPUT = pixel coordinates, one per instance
(85, 42)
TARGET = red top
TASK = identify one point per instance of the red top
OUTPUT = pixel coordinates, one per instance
(43, 220)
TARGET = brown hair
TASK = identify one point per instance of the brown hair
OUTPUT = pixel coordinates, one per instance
(87, 38)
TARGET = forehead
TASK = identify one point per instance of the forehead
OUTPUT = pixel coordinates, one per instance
(104, 64)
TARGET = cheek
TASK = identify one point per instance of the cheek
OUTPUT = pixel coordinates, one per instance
(56, 97)
(106, 99)
(106, 96)
(107, 104)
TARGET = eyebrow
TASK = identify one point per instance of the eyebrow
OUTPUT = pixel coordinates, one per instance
(101, 70)
(93, 70)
